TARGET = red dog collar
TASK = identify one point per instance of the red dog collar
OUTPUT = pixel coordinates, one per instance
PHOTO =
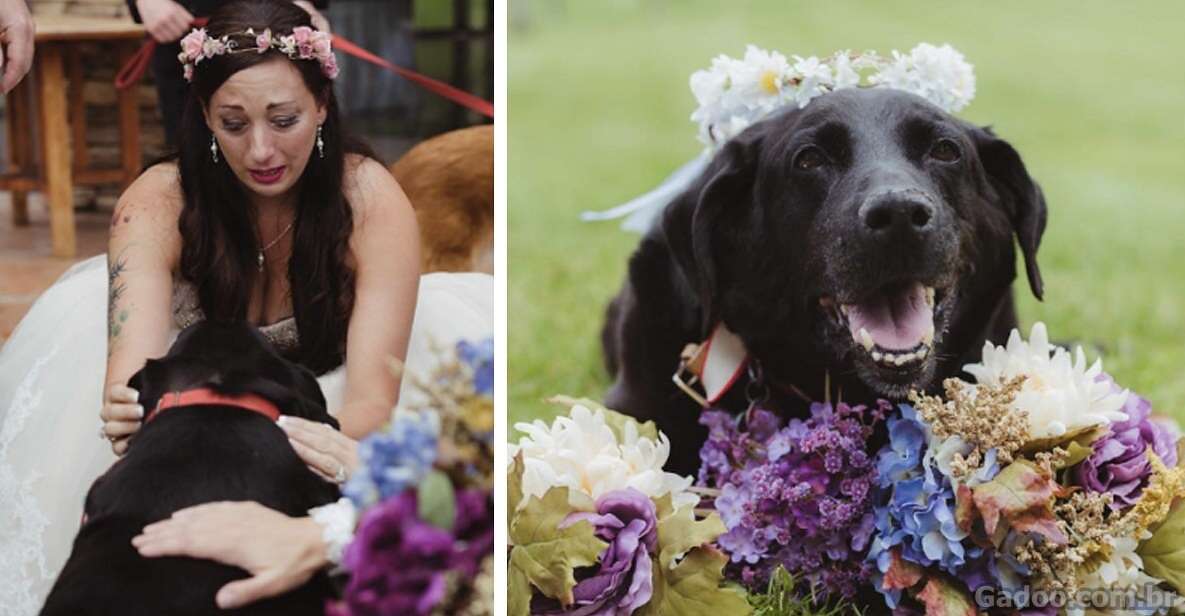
(205, 395)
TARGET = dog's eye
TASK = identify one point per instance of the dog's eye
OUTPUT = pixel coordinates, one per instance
(945, 150)
(809, 158)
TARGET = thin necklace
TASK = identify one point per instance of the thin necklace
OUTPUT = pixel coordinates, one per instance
(259, 256)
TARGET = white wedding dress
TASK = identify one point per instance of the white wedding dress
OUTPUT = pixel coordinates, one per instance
(51, 379)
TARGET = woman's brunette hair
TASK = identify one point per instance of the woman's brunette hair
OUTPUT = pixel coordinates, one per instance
(219, 244)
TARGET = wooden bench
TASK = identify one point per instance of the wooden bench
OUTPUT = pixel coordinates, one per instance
(39, 109)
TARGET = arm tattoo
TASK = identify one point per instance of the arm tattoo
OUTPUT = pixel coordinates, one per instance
(116, 285)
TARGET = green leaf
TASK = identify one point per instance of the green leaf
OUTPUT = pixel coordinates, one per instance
(1041, 523)
(1018, 488)
(1164, 551)
(437, 501)
(679, 532)
(547, 554)
(1078, 452)
(694, 588)
(514, 486)
(614, 419)
(964, 508)
(518, 593)
(943, 599)
(1084, 435)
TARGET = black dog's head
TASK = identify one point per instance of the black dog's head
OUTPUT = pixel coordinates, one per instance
(232, 358)
(867, 230)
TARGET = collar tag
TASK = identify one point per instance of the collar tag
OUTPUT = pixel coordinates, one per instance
(716, 365)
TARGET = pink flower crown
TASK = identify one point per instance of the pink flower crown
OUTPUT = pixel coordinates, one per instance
(304, 43)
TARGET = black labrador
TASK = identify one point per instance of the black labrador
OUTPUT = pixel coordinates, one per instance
(866, 237)
(191, 454)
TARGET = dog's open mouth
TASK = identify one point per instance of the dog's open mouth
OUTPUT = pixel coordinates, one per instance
(892, 327)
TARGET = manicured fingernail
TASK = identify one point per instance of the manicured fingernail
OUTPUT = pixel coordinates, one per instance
(225, 599)
(135, 396)
(140, 411)
(282, 421)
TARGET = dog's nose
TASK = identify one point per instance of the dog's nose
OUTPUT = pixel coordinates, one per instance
(904, 213)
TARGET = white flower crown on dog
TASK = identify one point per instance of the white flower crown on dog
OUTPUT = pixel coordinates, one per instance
(735, 94)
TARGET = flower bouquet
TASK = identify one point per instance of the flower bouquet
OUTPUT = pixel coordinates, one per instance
(425, 538)
(1040, 488)
(597, 527)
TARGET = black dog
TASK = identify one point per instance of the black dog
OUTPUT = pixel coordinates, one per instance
(187, 455)
(867, 236)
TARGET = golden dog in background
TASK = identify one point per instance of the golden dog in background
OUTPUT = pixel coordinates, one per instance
(449, 180)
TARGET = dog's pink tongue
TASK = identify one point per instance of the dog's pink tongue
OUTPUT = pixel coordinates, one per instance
(896, 321)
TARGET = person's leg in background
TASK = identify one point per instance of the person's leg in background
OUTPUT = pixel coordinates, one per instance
(170, 88)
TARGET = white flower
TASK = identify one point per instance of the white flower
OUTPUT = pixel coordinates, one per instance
(1059, 395)
(1123, 571)
(814, 79)
(847, 74)
(938, 74)
(581, 452)
(759, 80)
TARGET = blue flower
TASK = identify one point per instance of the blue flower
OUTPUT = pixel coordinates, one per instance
(479, 357)
(394, 459)
(915, 512)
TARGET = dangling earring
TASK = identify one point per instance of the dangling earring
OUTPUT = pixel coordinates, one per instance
(214, 149)
(320, 143)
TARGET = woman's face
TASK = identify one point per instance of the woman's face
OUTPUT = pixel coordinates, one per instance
(265, 121)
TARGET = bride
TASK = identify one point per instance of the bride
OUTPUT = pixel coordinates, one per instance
(268, 213)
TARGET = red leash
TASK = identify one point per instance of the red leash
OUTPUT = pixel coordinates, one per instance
(133, 71)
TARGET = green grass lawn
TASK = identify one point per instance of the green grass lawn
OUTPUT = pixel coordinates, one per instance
(1090, 93)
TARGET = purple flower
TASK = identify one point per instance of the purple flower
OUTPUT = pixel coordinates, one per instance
(621, 583)
(798, 496)
(473, 531)
(479, 356)
(397, 562)
(1118, 463)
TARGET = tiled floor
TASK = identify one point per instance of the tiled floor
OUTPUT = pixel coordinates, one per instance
(26, 267)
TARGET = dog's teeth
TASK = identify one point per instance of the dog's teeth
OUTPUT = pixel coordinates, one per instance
(866, 339)
(923, 352)
(877, 356)
(928, 337)
(902, 360)
(930, 296)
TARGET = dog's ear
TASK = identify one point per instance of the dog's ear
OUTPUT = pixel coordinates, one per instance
(1021, 196)
(692, 221)
(312, 397)
(149, 382)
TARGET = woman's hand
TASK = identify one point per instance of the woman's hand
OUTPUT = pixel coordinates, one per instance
(165, 20)
(121, 416)
(16, 42)
(329, 453)
(279, 552)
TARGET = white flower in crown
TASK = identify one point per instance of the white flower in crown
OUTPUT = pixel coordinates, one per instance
(1060, 394)
(939, 74)
(581, 452)
(733, 94)
(813, 79)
